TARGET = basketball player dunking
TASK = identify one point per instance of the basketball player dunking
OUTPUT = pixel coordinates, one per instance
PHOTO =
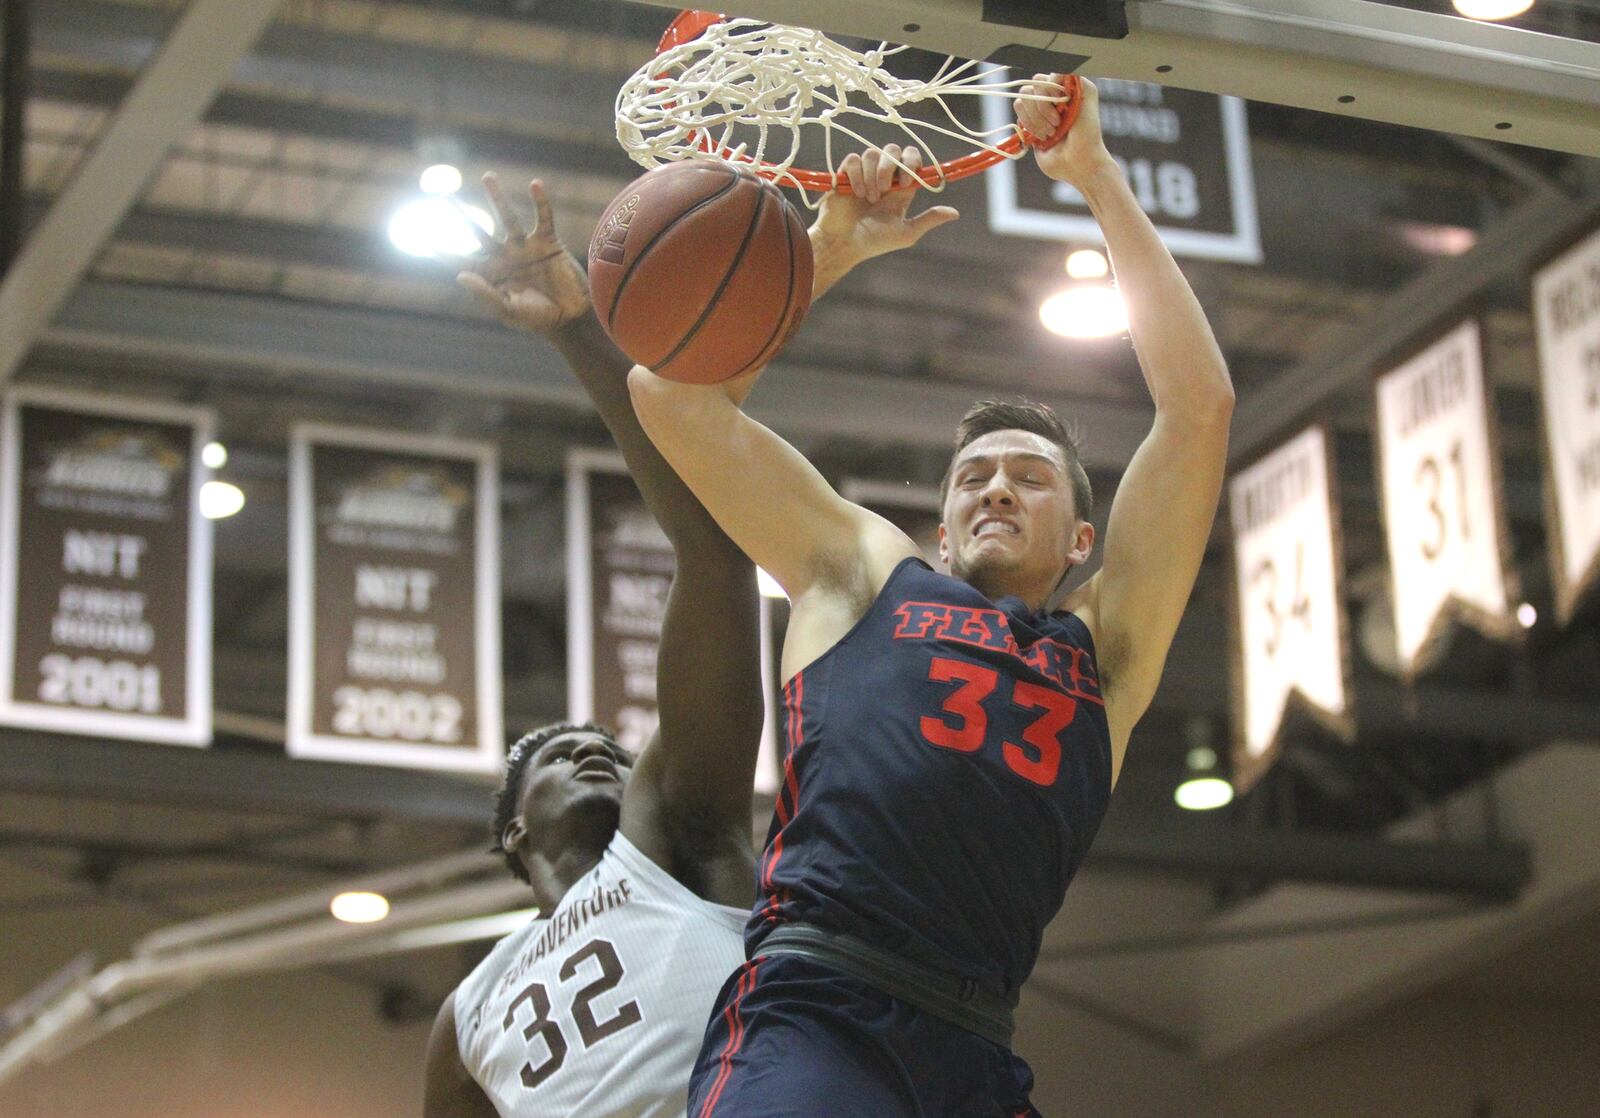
(644, 871)
(951, 742)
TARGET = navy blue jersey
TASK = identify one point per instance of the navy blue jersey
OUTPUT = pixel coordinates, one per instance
(946, 765)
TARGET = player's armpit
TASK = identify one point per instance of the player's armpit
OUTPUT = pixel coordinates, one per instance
(448, 1090)
(1160, 521)
(774, 504)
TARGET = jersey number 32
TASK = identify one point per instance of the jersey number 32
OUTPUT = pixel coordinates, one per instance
(590, 1031)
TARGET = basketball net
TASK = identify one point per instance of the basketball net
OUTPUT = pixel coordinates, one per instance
(745, 90)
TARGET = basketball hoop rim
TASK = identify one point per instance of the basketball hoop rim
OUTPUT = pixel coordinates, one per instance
(691, 23)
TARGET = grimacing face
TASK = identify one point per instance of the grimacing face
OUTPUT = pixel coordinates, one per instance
(1010, 525)
(576, 770)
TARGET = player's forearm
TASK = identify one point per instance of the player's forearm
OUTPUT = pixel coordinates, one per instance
(602, 369)
(1182, 364)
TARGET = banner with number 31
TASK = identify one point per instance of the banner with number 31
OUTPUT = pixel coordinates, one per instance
(1440, 481)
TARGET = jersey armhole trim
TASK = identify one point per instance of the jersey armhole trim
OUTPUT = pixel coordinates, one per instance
(636, 860)
(866, 614)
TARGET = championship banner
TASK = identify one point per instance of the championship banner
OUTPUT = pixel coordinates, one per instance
(1566, 314)
(619, 571)
(105, 568)
(1186, 156)
(1289, 623)
(394, 580)
(1439, 474)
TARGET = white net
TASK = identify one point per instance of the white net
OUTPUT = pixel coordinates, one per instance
(748, 91)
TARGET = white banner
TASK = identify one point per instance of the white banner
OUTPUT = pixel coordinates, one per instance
(105, 568)
(1289, 618)
(394, 585)
(1439, 475)
(1566, 313)
(619, 570)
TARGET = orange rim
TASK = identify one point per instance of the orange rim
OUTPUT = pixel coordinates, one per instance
(691, 23)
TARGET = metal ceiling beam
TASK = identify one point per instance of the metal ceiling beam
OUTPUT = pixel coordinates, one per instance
(220, 777)
(1362, 59)
(395, 129)
(222, 335)
(206, 41)
(307, 61)
(39, 763)
(1506, 248)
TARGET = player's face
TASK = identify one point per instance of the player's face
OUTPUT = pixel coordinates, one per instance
(1010, 525)
(576, 771)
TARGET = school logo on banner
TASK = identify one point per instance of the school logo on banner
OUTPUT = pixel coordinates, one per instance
(619, 572)
(1566, 314)
(105, 568)
(1289, 618)
(394, 580)
(1440, 480)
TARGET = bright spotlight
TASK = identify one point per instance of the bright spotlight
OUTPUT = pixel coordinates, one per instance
(769, 586)
(1085, 312)
(441, 178)
(1527, 615)
(1204, 793)
(435, 227)
(220, 499)
(1492, 9)
(1087, 263)
(214, 456)
(359, 908)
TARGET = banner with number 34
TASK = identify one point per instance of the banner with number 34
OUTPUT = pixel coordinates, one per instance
(1289, 620)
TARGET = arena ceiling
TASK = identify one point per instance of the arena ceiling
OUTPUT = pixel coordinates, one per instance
(252, 274)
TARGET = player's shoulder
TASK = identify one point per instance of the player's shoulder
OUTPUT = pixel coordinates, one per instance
(1083, 603)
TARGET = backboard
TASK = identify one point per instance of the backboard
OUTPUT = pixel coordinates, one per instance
(1537, 83)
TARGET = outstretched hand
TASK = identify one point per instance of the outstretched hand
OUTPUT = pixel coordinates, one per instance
(871, 219)
(529, 279)
(1082, 150)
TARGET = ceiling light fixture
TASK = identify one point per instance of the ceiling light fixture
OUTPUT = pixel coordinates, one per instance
(1204, 789)
(1085, 311)
(440, 178)
(214, 456)
(1087, 263)
(436, 227)
(359, 908)
(1527, 616)
(1492, 9)
(220, 500)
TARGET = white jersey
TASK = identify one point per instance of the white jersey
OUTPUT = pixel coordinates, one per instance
(599, 1010)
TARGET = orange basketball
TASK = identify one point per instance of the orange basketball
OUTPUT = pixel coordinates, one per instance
(700, 271)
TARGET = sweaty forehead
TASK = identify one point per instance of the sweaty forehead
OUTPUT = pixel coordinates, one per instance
(1010, 444)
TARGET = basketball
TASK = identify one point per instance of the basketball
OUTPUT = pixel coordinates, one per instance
(700, 271)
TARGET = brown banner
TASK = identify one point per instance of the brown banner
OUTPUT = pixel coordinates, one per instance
(394, 650)
(107, 565)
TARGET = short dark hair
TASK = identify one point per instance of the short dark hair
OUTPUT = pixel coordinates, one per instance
(505, 800)
(988, 416)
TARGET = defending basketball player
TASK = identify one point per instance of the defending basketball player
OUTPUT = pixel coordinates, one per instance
(644, 871)
(951, 742)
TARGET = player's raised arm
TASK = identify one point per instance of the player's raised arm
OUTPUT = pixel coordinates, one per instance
(448, 1091)
(773, 502)
(1162, 514)
(701, 763)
